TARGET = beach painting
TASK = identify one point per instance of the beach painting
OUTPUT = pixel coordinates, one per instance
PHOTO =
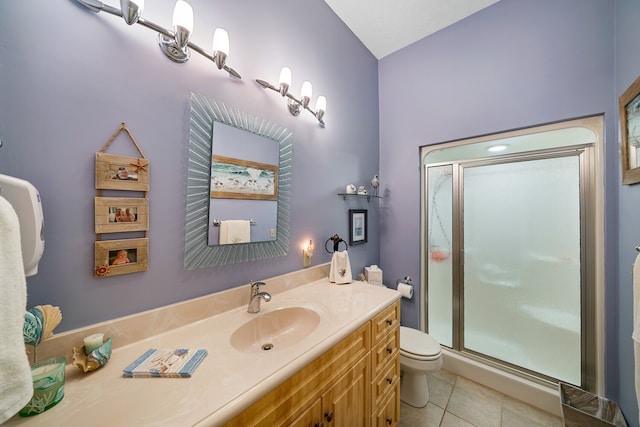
(243, 179)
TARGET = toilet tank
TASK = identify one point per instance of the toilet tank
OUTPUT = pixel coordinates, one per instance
(25, 199)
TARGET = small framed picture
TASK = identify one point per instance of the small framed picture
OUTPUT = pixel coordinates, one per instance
(629, 109)
(121, 214)
(124, 256)
(357, 226)
(121, 173)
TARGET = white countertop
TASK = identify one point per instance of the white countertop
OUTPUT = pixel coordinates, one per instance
(227, 381)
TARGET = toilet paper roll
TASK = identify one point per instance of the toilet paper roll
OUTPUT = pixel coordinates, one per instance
(406, 290)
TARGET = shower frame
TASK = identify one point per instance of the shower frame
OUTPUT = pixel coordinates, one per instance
(591, 232)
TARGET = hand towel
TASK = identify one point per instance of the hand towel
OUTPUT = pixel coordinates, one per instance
(636, 323)
(235, 231)
(16, 386)
(340, 271)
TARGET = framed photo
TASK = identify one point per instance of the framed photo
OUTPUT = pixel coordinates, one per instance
(121, 172)
(243, 179)
(121, 214)
(357, 226)
(114, 257)
(629, 107)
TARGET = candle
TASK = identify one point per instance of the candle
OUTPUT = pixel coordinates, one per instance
(92, 342)
(48, 386)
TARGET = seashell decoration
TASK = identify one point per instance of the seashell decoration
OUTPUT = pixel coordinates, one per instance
(94, 360)
(39, 323)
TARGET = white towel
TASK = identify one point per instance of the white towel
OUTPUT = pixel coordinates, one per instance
(16, 386)
(340, 272)
(235, 231)
(636, 323)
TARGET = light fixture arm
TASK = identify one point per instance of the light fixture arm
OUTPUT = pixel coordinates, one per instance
(165, 38)
(295, 105)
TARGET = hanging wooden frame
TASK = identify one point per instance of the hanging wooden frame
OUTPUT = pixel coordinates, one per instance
(121, 214)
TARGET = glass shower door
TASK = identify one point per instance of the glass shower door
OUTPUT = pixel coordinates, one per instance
(521, 275)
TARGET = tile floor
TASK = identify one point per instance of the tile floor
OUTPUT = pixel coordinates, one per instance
(458, 402)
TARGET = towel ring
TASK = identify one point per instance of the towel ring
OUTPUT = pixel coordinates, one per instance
(336, 242)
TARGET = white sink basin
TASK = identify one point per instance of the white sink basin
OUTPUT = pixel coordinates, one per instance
(275, 330)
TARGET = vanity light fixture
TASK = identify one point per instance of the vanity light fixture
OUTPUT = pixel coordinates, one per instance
(497, 148)
(296, 105)
(307, 253)
(175, 45)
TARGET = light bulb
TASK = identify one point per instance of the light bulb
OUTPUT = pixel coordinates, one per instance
(221, 41)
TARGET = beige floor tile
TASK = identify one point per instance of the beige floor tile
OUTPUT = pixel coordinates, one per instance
(516, 413)
(475, 404)
(439, 391)
(429, 416)
(450, 420)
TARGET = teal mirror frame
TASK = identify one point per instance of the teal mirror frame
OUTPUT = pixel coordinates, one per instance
(205, 112)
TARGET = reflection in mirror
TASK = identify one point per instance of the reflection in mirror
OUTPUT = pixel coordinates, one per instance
(244, 187)
(209, 119)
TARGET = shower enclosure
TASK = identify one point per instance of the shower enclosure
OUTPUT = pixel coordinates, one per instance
(508, 238)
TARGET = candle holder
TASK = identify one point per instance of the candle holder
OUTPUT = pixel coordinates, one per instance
(48, 386)
(95, 359)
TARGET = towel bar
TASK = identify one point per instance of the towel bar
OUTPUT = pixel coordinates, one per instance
(216, 222)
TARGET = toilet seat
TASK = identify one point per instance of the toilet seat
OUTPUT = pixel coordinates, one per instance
(417, 345)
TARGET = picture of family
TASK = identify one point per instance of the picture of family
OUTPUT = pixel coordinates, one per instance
(122, 256)
(123, 214)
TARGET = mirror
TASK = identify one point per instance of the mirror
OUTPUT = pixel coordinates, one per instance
(208, 118)
(629, 110)
(244, 187)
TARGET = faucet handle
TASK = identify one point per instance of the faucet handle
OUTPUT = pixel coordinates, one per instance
(256, 285)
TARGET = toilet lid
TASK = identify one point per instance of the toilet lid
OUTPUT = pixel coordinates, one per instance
(417, 342)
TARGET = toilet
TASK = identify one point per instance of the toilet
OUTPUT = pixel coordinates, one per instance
(419, 354)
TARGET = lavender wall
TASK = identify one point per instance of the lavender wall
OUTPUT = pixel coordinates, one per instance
(515, 64)
(69, 77)
(627, 70)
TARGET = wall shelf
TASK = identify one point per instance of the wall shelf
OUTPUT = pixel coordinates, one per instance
(367, 196)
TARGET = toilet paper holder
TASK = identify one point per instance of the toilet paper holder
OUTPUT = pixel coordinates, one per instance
(406, 280)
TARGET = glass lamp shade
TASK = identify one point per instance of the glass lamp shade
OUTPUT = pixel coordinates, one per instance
(183, 18)
(305, 93)
(321, 104)
(285, 80)
(221, 41)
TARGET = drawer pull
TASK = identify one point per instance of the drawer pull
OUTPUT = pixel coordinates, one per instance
(389, 380)
(390, 322)
(389, 350)
(389, 421)
(328, 416)
(318, 425)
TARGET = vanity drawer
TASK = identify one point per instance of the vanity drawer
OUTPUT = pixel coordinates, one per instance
(388, 414)
(384, 352)
(384, 384)
(385, 322)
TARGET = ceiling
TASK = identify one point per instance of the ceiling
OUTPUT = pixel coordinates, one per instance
(385, 26)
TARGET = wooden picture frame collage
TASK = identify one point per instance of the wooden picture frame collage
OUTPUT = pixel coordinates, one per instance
(121, 214)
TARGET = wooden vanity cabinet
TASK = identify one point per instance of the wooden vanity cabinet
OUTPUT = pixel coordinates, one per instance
(345, 387)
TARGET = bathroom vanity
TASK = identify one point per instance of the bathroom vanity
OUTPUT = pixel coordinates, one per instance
(355, 383)
(339, 367)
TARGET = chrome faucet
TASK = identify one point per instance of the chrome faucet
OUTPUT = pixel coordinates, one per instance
(256, 296)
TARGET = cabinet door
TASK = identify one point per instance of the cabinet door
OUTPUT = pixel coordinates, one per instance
(347, 402)
(311, 417)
